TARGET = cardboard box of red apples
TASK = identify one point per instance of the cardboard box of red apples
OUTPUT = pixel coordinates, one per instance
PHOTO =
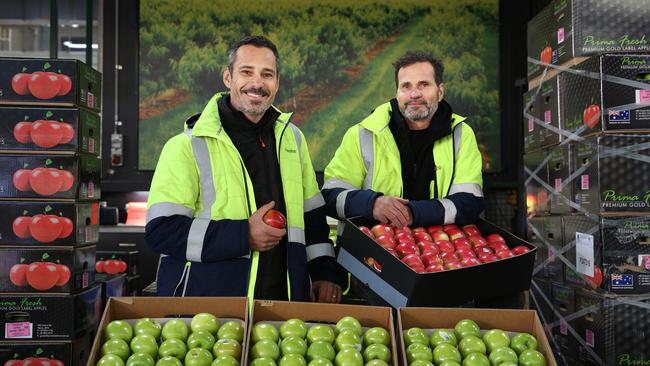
(31, 81)
(50, 129)
(438, 265)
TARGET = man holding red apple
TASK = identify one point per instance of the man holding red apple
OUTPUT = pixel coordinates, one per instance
(412, 161)
(210, 204)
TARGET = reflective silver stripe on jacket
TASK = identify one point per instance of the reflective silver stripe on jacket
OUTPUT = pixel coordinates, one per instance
(338, 183)
(296, 133)
(319, 250)
(196, 236)
(314, 202)
(458, 135)
(450, 210)
(340, 202)
(163, 209)
(472, 188)
(296, 235)
(365, 143)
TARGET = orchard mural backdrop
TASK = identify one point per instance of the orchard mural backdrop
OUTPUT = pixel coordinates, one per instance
(336, 62)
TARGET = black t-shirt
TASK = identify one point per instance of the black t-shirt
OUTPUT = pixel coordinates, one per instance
(256, 145)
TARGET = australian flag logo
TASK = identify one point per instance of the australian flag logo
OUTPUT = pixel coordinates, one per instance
(622, 280)
(619, 116)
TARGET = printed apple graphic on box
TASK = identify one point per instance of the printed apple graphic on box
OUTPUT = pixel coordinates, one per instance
(44, 181)
(591, 115)
(546, 56)
(43, 133)
(44, 228)
(40, 276)
(41, 84)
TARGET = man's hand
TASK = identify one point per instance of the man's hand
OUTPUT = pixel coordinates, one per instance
(392, 210)
(261, 236)
(325, 291)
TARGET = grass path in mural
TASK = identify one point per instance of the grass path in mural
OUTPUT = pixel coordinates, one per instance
(155, 131)
(325, 129)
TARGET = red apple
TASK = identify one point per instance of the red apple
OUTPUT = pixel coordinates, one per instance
(492, 238)
(434, 228)
(447, 227)
(520, 249)
(461, 243)
(365, 230)
(382, 229)
(453, 265)
(471, 230)
(449, 257)
(418, 229)
(386, 241)
(470, 261)
(422, 235)
(503, 254)
(405, 249)
(439, 235)
(393, 252)
(434, 268)
(425, 246)
(477, 241)
(465, 252)
(413, 261)
(455, 234)
(429, 258)
(445, 246)
(498, 247)
(483, 250)
(275, 219)
(597, 278)
(487, 258)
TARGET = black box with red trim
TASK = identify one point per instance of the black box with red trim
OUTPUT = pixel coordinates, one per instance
(58, 130)
(32, 81)
(49, 317)
(129, 257)
(50, 176)
(608, 93)
(46, 269)
(49, 223)
(613, 174)
(70, 353)
(399, 285)
(565, 29)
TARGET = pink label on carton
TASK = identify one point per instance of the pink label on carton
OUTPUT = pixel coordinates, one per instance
(91, 145)
(589, 338)
(91, 100)
(91, 190)
(551, 253)
(584, 182)
(547, 117)
(89, 234)
(531, 125)
(18, 330)
(564, 329)
(558, 184)
(84, 280)
(643, 96)
(560, 35)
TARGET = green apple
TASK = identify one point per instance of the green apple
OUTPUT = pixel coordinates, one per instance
(348, 322)
(225, 361)
(509, 363)
(471, 344)
(140, 359)
(145, 343)
(173, 348)
(445, 352)
(418, 351)
(420, 363)
(264, 331)
(347, 338)
(348, 357)
(320, 362)
(175, 328)
(232, 329)
(501, 355)
(263, 361)
(204, 322)
(415, 335)
(476, 359)
(522, 342)
(383, 363)
(292, 360)
(110, 360)
(320, 349)
(376, 335)
(377, 352)
(320, 332)
(117, 347)
(201, 339)
(169, 361)
(266, 348)
(448, 363)
(147, 326)
(198, 357)
(119, 329)
(227, 347)
(293, 346)
(467, 327)
(531, 357)
(440, 336)
(293, 328)
(495, 338)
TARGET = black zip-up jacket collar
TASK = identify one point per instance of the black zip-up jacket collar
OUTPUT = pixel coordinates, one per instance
(418, 168)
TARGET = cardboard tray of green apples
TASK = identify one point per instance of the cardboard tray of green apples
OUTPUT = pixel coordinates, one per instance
(202, 340)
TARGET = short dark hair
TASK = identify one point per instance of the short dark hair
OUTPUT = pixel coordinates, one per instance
(257, 41)
(414, 57)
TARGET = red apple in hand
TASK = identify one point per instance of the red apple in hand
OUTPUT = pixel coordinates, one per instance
(591, 115)
(275, 219)
(520, 249)
(386, 241)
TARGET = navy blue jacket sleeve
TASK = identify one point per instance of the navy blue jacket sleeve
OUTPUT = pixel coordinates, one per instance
(432, 212)
(325, 267)
(357, 202)
(224, 239)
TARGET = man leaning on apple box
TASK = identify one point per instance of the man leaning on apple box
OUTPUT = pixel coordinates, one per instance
(412, 161)
(214, 182)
